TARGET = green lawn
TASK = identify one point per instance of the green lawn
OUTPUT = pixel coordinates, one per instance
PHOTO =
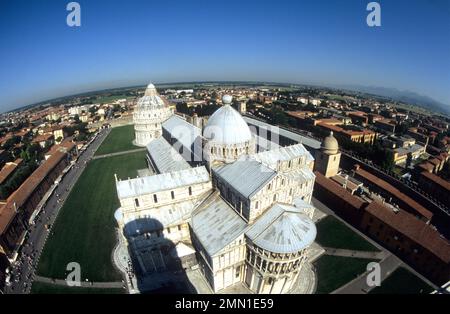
(335, 271)
(402, 281)
(46, 288)
(84, 231)
(120, 139)
(335, 234)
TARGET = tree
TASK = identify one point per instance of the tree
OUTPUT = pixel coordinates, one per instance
(408, 159)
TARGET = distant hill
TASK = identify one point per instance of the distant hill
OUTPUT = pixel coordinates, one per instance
(403, 96)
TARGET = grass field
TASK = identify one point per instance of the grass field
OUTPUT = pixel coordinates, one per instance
(46, 288)
(84, 230)
(120, 139)
(335, 234)
(402, 281)
(335, 271)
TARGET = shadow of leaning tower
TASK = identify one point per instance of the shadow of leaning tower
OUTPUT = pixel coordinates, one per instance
(155, 259)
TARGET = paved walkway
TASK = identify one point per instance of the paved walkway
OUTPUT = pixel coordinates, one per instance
(360, 286)
(87, 284)
(358, 254)
(120, 153)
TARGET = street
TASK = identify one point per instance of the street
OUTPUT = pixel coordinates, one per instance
(23, 269)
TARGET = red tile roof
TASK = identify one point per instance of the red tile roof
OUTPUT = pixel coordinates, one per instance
(42, 138)
(338, 191)
(20, 196)
(436, 179)
(8, 169)
(413, 228)
(395, 192)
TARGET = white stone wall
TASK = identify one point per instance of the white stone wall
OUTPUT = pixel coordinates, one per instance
(214, 152)
(148, 123)
(228, 264)
(163, 198)
(267, 272)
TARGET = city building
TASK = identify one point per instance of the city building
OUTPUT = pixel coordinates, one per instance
(418, 243)
(245, 213)
(435, 186)
(17, 211)
(358, 136)
(401, 154)
(8, 169)
(386, 125)
(392, 193)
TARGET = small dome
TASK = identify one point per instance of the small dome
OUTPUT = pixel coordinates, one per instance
(227, 99)
(150, 90)
(330, 144)
(226, 126)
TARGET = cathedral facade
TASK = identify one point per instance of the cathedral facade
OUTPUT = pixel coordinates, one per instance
(244, 212)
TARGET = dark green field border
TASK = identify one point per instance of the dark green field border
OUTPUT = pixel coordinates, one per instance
(334, 272)
(333, 233)
(402, 281)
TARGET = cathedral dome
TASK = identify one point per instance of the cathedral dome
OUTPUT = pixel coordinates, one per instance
(226, 126)
(330, 144)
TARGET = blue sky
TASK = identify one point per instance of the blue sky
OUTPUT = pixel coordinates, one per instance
(122, 43)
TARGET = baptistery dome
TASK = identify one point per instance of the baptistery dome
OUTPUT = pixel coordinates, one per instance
(227, 134)
(151, 111)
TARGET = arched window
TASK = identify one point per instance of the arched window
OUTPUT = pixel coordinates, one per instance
(190, 191)
(172, 194)
(155, 198)
(136, 202)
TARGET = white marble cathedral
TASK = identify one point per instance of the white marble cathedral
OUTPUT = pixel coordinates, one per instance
(244, 211)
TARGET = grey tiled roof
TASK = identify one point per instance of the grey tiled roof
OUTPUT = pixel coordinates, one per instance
(282, 229)
(165, 157)
(310, 142)
(161, 182)
(185, 132)
(216, 224)
(271, 157)
(245, 176)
